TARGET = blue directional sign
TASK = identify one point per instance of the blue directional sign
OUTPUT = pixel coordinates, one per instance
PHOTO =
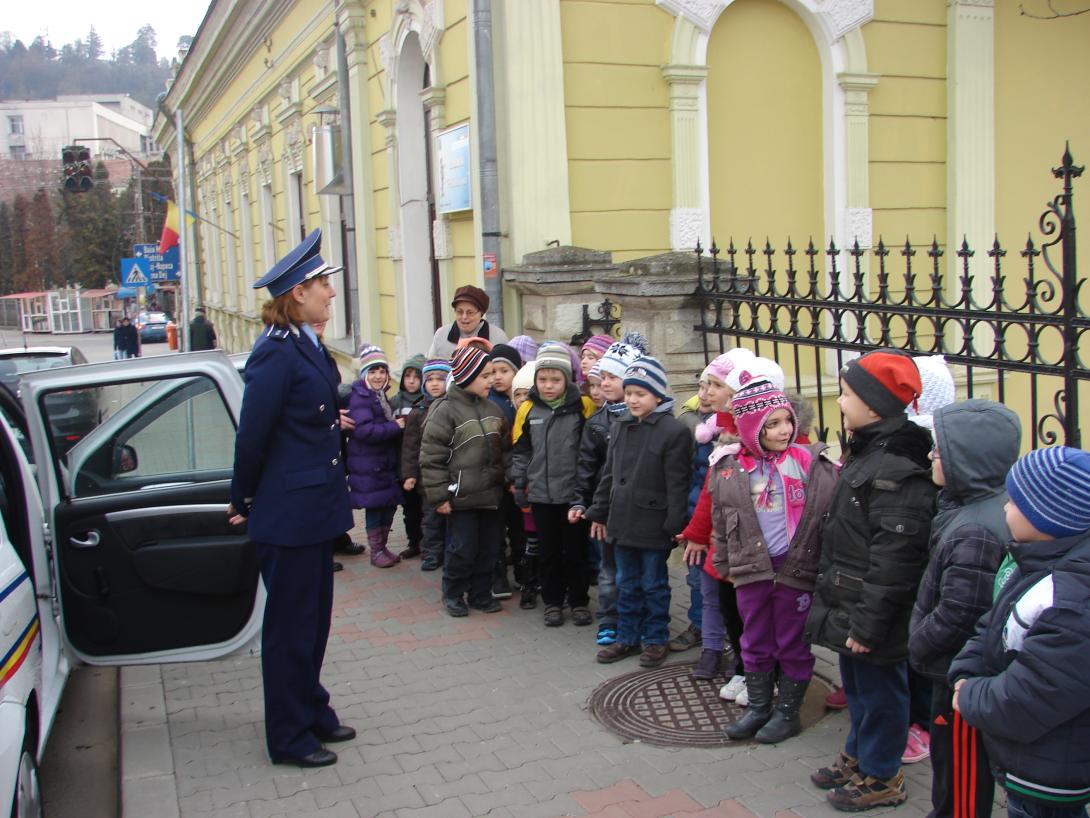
(135, 272)
(162, 266)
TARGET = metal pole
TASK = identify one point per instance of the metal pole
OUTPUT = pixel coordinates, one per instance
(1068, 170)
(347, 205)
(487, 154)
(183, 277)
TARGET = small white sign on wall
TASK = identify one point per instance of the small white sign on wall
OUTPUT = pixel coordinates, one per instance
(452, 150)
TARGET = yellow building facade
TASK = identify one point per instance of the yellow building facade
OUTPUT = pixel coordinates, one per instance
(632, 126)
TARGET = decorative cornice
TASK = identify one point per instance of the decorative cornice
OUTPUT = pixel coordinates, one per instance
(264, 164)
(294, 142)
(838, 17)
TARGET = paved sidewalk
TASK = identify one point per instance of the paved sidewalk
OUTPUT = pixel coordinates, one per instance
(456, 717)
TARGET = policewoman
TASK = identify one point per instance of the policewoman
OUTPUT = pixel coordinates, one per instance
(289, 485)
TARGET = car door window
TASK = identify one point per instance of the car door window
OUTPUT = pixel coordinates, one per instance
(141, 435)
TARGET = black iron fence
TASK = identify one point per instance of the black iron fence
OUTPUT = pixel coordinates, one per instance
(1023, 338)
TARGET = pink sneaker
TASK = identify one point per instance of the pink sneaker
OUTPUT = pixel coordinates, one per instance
(918, 746)
(837, 700)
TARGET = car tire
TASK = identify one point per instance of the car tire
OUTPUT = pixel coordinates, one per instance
(27, 801)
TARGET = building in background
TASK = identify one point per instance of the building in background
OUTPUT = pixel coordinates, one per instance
(635, 127)
(39, 128)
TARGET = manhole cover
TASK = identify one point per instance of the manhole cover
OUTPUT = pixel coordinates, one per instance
(668, 707)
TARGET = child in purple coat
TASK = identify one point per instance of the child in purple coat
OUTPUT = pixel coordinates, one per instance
(372, 453)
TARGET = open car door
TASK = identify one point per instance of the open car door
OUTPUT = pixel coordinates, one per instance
(146, 567)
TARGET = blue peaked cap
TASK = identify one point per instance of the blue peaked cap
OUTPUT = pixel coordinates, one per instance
(301, 264)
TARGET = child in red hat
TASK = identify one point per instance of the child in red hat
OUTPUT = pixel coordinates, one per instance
(874, 549)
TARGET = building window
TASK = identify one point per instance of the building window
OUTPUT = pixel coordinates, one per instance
(15, 124)
(18, 152)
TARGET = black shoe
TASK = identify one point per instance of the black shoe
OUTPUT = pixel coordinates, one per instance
(351, 549)
(410, 552)
(430, 565)
(342, 732)
(491, 606)
(319, 758)
(528, 599)
(501, 588)
(456, 607)
(337, 567)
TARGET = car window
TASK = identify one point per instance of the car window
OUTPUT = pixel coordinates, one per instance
(140, 435)
(18, 364)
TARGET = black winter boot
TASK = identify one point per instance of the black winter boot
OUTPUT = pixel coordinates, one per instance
(759, 711)
(785, 720)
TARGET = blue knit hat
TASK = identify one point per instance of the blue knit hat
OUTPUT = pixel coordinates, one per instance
(648, 373)
(1051, 487)
(622, 354)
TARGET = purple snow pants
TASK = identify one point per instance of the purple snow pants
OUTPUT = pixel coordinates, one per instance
(775, 617)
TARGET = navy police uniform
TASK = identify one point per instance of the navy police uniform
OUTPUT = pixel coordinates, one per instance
(289, 481)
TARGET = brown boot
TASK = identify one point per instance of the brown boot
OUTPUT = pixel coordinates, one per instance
(653, 655)
(837, 774)
(865, 792)
(616, 652)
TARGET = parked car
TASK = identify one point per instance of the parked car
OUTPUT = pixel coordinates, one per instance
(152, 326)
(74, 413)
(118, 551)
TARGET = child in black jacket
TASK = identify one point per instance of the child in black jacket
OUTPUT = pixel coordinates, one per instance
(641, 505)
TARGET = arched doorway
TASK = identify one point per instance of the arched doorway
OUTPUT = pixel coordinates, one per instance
(765, 126)
(422, 312)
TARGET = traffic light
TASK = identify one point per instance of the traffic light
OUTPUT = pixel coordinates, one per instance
(78, 175)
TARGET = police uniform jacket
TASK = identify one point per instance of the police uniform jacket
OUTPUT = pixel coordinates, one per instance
(289, 476)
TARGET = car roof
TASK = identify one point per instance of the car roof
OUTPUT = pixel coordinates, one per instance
(20, 351)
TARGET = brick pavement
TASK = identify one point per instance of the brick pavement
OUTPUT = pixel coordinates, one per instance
(483, 716)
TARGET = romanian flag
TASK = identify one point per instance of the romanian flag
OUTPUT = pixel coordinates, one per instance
(171, 229)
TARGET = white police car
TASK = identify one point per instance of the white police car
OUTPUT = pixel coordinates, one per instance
(117, 551)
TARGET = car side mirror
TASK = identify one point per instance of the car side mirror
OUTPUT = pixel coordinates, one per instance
(125, 460)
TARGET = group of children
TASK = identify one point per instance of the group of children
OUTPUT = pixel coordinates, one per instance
(928, 544)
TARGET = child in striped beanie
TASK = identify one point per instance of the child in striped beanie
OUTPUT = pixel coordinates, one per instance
(640, 506)
(1022, 679)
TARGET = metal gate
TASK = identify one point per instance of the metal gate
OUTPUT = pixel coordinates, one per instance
(1022, 336)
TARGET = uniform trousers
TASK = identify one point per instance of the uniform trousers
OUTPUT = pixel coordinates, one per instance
(474, 538)
(298, 609)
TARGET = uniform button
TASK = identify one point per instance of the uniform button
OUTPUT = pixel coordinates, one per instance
(334, 461)
(333, 426)
(321, 408)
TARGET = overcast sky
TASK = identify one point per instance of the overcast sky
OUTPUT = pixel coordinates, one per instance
(116, 21)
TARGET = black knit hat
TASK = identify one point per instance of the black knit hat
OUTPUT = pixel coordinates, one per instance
(507, 354)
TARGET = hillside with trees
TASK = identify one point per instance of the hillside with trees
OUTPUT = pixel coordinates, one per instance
(41, 71)
(49, 238)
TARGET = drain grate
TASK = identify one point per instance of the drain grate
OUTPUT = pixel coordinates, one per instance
(666, 706)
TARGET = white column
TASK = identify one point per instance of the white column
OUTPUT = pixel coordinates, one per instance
(970, 135)
(689, 217)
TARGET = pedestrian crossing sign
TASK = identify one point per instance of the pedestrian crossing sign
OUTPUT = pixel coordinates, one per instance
(135, 272)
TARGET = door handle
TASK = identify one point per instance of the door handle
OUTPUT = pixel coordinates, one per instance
(93, 538)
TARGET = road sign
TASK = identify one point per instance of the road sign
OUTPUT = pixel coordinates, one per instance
(135, 272)
(161, 266)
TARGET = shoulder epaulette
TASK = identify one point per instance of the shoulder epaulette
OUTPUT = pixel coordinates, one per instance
(280, 333)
